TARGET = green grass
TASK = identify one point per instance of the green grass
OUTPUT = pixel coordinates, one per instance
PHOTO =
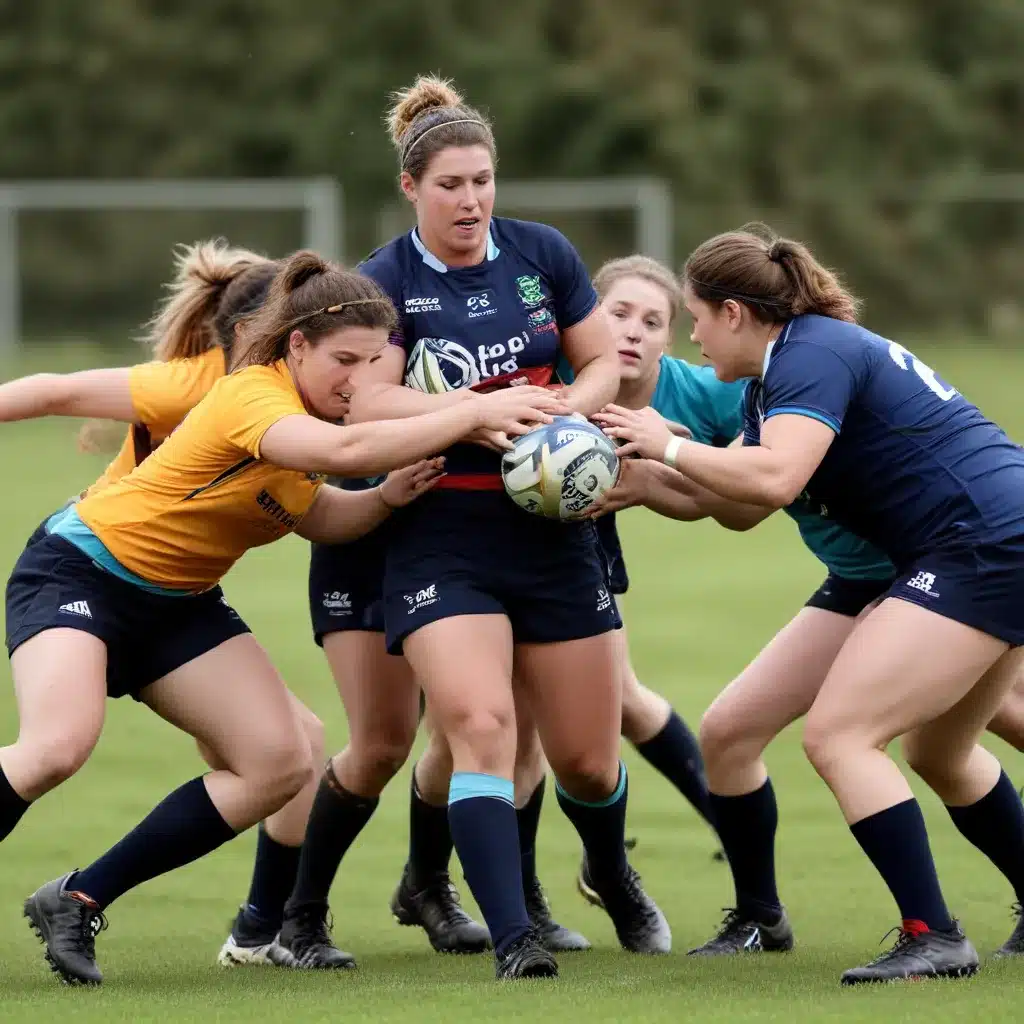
(702, 604)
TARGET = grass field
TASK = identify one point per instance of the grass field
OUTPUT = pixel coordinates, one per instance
(702, 603)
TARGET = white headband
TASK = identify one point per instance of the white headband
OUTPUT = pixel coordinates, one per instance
(443, 124)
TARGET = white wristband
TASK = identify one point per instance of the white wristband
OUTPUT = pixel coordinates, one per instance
(671, 450)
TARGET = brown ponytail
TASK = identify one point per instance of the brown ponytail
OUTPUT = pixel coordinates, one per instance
(213, 285)
(318, 297)
(776, 278)
(182, 324)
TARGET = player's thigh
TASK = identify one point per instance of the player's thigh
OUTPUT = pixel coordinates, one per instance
(902, 667)
(61, 691)
(781, 683)
(378, 690)
(233, 701)
(950, 738)
(464, 664)
(575, 692)
(1008, 721)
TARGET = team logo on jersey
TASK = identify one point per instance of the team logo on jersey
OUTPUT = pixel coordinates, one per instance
(530, 293)
(423, 305)
(481, 305)
(541, 320)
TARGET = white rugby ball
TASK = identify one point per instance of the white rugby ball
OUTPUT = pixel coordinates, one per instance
(560, 469)
(436, 365)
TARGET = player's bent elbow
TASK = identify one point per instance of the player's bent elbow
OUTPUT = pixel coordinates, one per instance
(781, 491)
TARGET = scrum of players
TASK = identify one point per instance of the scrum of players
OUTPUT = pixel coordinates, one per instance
(269, 376)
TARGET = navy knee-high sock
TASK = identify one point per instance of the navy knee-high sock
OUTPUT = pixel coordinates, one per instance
(746, 825)
(896, 841)
(336, 819)
(12, 806)
(273, 878)
(995, 825)
(602, 829)
(528, 818)
(675, 752)
(430, 838)
(185, 826)
(482, 814)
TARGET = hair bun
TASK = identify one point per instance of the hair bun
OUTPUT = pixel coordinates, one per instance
(781, 249)
(428, 92)
(300, 267)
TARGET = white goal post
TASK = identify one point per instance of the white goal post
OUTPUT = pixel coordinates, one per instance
(649, 199)
(319, 200)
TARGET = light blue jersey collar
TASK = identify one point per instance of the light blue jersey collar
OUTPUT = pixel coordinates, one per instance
(435, 264)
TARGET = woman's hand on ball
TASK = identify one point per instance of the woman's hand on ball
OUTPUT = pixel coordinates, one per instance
(518, 410)
(645, 431)
(495, 440)
(402, 486)
(634, 476)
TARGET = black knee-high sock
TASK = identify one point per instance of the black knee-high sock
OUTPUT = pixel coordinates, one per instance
(995, 825)
(12, 807)
(528, 819)
(337, 817)
(483, 824)
(179, 830)
(430, 838)
(675, 753)
(273, 879)
(746, 825)
(602, 829)
(896, 841)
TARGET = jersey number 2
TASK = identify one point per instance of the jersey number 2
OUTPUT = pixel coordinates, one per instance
(905, 360)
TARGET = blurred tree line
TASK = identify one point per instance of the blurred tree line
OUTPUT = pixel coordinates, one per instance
(836, 121)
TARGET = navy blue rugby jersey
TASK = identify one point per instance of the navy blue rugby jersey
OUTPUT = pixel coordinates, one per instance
(470, 324)
(914, 466)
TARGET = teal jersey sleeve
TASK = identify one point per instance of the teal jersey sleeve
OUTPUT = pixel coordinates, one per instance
(694, 396)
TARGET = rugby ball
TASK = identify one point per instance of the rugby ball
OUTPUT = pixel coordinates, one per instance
(436, 365)
(560, 469)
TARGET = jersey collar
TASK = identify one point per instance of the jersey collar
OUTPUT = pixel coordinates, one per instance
(435, 264)
(771, 347)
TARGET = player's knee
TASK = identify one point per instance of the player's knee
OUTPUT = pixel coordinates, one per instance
(283, 771)
(58, 758)
(482, 739)
(821, 745)
(720, 735)
(935, 767)
(316, 734)
(587, 774)
(383, 756)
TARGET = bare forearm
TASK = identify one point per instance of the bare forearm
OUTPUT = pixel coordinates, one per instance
(368, 449)
(750, 475)
(30, 397)
(596, 384)
(395, 401)
(344, 516)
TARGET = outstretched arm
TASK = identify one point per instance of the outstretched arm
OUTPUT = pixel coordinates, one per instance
(98, 394)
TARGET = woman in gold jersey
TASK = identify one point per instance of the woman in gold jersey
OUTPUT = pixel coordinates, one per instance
(123, 592)
(195, 336)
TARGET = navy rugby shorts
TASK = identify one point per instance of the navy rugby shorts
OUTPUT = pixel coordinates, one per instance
(981, 586)
(477, 553)
(846, 596)
(345, 586)
(55, 585)
(611, 549)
